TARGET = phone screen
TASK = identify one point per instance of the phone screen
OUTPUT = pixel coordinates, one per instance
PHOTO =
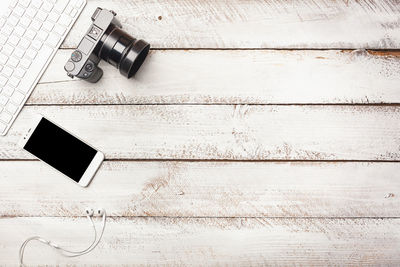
(60, 149)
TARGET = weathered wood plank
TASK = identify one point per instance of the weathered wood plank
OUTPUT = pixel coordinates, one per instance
(204, 242)
(254, 24)
(228, 76)
(206, 189)
(225, 131)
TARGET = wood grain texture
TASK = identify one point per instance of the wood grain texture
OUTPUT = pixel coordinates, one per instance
(254, 24)
(205, 241)
(206, 189)
(245, 213)
(233, 76)
(235, 132)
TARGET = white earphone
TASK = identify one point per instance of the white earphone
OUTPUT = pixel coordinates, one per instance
(65, 252)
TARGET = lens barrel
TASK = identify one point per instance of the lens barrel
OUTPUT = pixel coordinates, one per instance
(123, 51)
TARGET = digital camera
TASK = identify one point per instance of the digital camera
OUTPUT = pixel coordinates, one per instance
(105, 40)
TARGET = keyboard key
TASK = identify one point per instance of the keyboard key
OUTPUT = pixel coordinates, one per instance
(17, 98)
(30, 34)
(53, 16)
(31, 53)
(2, 127)
(42, 35)
(41, 15)
(13, 3)
(11, 108)
(59, 29)
(8, 91)
(53, 40)
(3, 100)
(47, 26)
(7, 30)
(7, 71)
(73, 12)
(7, 13)
(3, 39)
(24, 43)
(79, 3)
(19, 30)
(36, 24)
(25, 22)
(36, 44)
(14, 81)
(60, 5)
(64, 20)
(68, 10)
(13, 61)
(25, 63)
(18, 52)
(24, 3)
(31, 75)
(5, 116)
(19, 72)
(13, 20)
(7, 50)
(37, 3)
(18, 11)
(14, 40)
(3, 59)
(31, 12)
(3, 80)
(47, 6)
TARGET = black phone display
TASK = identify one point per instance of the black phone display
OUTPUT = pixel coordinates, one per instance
(60, 149)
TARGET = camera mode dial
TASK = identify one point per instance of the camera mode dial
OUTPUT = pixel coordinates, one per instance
(76, 56)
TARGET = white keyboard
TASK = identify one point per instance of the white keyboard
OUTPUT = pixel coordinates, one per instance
(31, 31)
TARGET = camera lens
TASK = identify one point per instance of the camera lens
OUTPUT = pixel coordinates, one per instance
(123, 51)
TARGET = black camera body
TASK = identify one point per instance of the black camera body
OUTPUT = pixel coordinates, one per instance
(105, 40)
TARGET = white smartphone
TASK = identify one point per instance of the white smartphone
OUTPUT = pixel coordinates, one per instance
(62, 150)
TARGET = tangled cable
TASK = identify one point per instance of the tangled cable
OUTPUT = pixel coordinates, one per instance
(63, 251)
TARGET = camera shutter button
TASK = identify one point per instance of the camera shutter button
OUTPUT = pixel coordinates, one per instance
(70, 66)
(76, 56)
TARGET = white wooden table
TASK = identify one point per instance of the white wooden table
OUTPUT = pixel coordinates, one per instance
(254, 134)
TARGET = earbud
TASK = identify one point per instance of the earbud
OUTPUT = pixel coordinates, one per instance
(90, 213)
(100, 212)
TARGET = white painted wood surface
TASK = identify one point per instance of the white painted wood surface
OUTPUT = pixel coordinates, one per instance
(194, 176)
(234, 132)
(207, 189)
(211, 241)
(254, 24)
(234, 76)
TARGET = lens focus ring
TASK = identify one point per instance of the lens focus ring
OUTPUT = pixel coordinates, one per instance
(123, 51)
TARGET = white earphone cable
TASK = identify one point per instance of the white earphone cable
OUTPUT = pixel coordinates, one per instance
(89, 249)
(63, 251)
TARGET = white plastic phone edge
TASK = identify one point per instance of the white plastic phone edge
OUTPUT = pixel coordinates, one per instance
(32, 127)
(91, 169)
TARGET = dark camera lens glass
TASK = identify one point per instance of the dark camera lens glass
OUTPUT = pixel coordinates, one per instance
(123, 51)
